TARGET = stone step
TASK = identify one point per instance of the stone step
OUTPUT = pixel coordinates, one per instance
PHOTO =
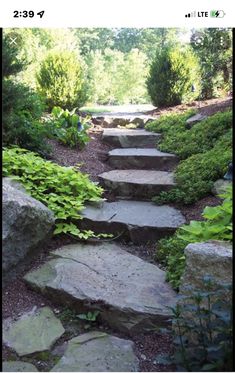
(137, 221)
(34, 331)
(98, 352)
(111, 120)
(137, 158)
(143, 184)
(130, 138)
(130, 294)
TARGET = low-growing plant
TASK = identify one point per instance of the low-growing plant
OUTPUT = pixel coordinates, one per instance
(67, 315)
(70, 315)
(170, 253)
(172, 123)
(89, 316)
(204, 340)
(198, 139)
(216, 226)
(68, 127)
(205, 150)
(195, 175)
(64, 190)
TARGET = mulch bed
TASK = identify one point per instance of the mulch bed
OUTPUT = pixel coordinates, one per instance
(194, 211)
(90, 158)
(207, 107)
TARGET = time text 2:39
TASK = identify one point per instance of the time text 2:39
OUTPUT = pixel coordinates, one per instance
(27, 13)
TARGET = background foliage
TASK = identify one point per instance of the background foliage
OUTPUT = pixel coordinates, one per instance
(111, 60)
(22, 107)
(213, 46)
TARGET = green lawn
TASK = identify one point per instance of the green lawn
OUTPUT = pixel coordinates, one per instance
(95, 109)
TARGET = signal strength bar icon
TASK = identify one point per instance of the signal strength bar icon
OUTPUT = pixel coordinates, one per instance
(192, 14)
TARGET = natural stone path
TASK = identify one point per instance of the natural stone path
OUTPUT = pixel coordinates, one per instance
(141, 173)
(143, 184)
(130, 293)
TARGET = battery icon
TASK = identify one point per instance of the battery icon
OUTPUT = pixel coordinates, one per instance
(217, 13)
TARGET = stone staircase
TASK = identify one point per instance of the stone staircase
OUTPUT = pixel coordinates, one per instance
(141, 173)
(130, 294)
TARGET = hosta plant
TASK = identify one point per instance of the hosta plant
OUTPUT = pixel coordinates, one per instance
(68, 127)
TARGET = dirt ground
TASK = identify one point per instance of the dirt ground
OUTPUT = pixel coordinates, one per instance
(207, 107)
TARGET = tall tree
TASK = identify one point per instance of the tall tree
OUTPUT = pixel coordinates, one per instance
(214, 48)
(91, 39)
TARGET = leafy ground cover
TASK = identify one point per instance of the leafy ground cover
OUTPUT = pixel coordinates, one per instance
(95, 109)
(64, 190)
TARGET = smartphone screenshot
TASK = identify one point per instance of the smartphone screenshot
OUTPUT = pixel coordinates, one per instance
(117, 179)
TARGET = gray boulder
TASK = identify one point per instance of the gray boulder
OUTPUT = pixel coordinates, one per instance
(212, 258)
(195, 119)
(27, 223)
(220, 186)
(131, 294)
(98, 352)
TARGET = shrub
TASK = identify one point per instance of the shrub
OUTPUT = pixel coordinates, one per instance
(63, 125)
(22, 107)
(172, 74)
(64, 190)
(60, 79)
(217, 226)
